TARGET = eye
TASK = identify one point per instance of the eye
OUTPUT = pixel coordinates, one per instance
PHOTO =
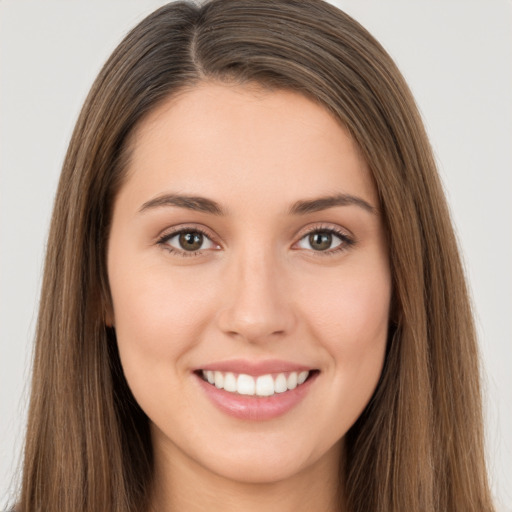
(188, 241)
(325, 240)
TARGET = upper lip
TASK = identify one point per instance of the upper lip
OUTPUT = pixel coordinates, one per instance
(255, 368)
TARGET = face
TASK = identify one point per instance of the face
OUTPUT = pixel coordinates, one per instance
(250, 282)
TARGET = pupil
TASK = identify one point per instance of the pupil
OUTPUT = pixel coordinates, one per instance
(320, 241)
(191, 241)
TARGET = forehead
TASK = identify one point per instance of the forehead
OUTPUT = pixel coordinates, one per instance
(248, 141)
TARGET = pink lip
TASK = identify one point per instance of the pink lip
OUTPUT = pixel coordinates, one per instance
(255, 368)
(254, 408)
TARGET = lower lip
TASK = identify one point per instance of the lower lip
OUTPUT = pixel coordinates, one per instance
(255, 408)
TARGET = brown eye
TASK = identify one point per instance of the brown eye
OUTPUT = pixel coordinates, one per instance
(325, 240)
(187, 242)
(320, 241)
(191, 240)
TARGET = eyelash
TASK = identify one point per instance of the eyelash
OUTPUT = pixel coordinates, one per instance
(167, 236)
(346, 241)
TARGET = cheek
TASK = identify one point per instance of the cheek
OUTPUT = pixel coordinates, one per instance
(350, 318)
(158, 322)
(351, 309)
(157, 319)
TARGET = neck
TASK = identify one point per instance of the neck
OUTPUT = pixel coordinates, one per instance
(182, 484)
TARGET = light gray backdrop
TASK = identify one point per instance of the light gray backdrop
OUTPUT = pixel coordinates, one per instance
(457, 57)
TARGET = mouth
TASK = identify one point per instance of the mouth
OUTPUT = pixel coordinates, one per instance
(257, 386)
(256, 390)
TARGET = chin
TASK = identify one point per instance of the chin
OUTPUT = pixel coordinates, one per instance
(258, 471)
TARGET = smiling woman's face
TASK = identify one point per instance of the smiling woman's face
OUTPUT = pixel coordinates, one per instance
(247, 249)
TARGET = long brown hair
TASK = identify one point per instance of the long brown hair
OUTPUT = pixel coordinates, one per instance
(418, 446)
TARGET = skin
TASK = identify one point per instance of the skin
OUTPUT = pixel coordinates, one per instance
(256, 290)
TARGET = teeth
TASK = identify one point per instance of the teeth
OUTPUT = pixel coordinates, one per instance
(264, 385)
(219, 380)
(280, 384)
(230, 382)
(302, 377)
(245, 384)
(291, 381)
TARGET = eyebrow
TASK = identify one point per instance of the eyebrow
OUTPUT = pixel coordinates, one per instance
(323, 203)
(302, 207)
(200, 204)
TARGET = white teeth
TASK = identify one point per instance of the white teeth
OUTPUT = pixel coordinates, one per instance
(280, 384)
(219, 380)
(264, 385)
(245, 384)
(302, 377)
(230, 382)
(291, 381)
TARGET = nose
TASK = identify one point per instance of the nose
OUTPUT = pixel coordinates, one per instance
(256, 305)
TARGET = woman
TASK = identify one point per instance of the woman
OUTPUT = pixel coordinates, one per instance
(197, 349)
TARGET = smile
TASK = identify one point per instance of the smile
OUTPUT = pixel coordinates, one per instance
(255, 391)
(262, 386)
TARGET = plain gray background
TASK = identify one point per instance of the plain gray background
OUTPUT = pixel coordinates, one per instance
(457, 58)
